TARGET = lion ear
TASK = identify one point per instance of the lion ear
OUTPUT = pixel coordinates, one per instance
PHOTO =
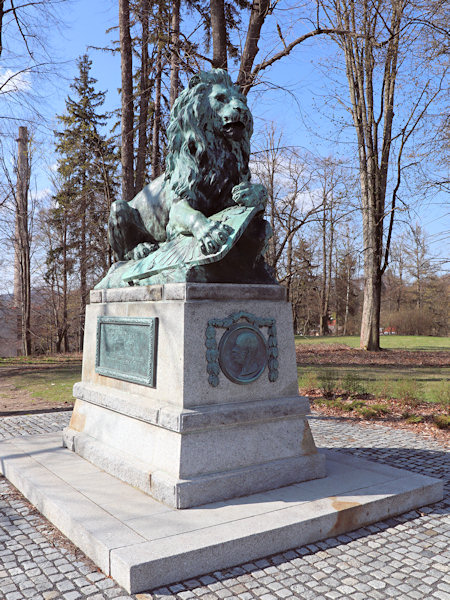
(194, 80)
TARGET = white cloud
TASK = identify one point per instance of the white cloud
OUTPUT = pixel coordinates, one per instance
(14, 81)
(308, 200)
(41, 194)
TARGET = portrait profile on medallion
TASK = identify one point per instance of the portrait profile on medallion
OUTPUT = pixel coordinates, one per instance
(243, 353)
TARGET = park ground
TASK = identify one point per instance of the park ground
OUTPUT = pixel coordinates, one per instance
(405, 385)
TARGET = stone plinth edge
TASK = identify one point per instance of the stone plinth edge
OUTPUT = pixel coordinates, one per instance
(179, 493)
(186, 420)
(119, 464)
(189, 291)
(144, 545)
(184, 494)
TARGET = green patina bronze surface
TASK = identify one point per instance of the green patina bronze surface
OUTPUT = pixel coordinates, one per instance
(126, 349)
(243, 353)
(173, 260)
(177, 227)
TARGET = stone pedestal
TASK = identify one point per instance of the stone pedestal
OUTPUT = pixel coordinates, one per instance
(189, 434)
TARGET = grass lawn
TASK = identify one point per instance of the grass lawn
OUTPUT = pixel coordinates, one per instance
(401, 342)
(38, 381)
(429, 384)
(50, 385)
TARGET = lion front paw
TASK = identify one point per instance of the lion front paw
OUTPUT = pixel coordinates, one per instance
(141, 251)
(213, 236)
(250, 194)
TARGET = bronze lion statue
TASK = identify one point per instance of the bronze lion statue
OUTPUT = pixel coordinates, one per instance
(207, 171)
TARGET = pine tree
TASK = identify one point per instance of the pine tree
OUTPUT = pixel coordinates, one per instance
(87, 172)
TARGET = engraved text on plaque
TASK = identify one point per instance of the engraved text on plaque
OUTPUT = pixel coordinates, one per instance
(126, 349)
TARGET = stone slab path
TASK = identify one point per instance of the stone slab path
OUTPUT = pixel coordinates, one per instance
(404, 557)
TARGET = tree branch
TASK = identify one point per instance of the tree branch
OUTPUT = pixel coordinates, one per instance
(19, 25)
(288, 49)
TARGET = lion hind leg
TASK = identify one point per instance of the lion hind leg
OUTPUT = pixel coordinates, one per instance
(127, 233)
(141, 251)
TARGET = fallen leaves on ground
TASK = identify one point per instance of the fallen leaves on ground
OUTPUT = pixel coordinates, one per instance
(396, 417)
(342, 355)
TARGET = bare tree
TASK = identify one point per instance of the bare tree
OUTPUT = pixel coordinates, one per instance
(54, 229)
(379, 37)
(327, 225)
(157, 108)
(419, 264)
(144, 90)
(126, 57)
(291, 205)
(175, 52)
(260, 11)
(25, 58)
(22, 279)
(347, 262)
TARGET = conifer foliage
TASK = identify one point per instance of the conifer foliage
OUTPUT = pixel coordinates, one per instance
(87, 187)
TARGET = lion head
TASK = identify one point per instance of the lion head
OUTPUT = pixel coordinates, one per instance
(210, 124)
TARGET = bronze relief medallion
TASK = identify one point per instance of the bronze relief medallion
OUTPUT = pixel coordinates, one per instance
(243, 353)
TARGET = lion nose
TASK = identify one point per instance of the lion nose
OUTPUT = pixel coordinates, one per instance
(235, 107)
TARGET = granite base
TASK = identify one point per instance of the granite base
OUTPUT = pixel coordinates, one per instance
(143, 544)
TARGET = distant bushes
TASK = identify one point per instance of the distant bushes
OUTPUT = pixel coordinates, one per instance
(414, 321)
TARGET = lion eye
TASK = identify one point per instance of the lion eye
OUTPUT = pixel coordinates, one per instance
(221, 98)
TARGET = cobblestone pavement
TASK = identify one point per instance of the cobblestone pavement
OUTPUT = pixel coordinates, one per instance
(405, 557)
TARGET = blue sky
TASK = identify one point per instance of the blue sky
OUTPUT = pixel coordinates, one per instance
(295, 104)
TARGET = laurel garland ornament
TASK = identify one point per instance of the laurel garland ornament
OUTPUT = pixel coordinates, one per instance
(212, 352)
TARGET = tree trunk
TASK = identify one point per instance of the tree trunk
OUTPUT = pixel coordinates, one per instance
(374, 148)
(347, 297)
(2, 11)
(83, 266)
(257, 17)
(174, 50)
(143, 101)
(64, 290)
(22, 241)
(336, 295)
(330, 267)
(289, 256)
(156, 154)
(370, 321)
(323, 322)
(327, 258)
(219, 34)
(127, 151)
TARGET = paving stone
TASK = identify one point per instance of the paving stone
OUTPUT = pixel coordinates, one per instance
(402, 557)
(282, 593)
(64, 585)
(72, 595)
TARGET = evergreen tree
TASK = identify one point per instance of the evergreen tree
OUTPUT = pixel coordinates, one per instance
(87, 172)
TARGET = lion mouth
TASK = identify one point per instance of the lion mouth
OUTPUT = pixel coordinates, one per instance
(234, 130)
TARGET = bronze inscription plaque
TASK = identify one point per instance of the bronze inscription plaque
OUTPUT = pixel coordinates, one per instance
(126, 349)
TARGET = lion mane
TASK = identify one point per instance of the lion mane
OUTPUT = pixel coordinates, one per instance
(200, 157)
(207, 171)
